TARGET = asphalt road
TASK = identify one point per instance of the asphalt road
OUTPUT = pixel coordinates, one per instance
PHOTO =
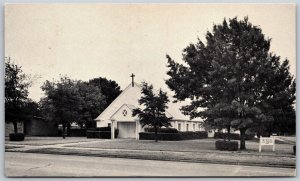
(40, 165)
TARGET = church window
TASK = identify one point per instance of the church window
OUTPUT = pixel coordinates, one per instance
(124, 112)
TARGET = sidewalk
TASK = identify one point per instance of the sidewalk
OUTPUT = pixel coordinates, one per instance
(194, 151)
(288, 140)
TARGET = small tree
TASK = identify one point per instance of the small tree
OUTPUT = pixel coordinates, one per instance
(16, 92)
(154, 110)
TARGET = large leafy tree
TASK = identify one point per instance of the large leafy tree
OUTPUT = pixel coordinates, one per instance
(278, 98)
(62, 102)
(109, 88)
(153, 113)
(69, 101)
(227, 78)
(92, 103)
(16, 94)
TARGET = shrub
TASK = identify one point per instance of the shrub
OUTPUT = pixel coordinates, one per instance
(162, 130)
(16, 137)
(160, 136)
(100, 129)
(173, 136)
(233, 136)
(227, 145)
(101, 134)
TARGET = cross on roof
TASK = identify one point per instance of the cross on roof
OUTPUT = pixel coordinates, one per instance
(132, 77)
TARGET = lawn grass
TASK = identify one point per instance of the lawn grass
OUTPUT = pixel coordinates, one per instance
(200, 145)
(186, 145)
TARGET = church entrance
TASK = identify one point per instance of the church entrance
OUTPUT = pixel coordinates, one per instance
(127, 129)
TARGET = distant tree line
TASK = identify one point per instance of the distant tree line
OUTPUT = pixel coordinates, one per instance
(66, 101)
(71, 101)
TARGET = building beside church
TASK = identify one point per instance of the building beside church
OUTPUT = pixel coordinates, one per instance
(118, 115)
(36, 126)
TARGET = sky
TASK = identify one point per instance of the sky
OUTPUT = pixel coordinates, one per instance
(86, 41)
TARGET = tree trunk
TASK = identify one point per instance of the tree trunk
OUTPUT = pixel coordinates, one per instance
(68, 129)
(15, 123)
(242, 139)
(228, 133)
(63, 131)
(155, 129)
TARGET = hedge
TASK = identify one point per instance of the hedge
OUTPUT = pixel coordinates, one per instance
(16, 137)
(162, 130)
(227, 145)
(173, 136)
(160, 136)
(77, 132)
(101, 134)
(100, 129)
(233, 136)
(193, 135)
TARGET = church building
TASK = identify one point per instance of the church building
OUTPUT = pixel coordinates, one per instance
(118, 115)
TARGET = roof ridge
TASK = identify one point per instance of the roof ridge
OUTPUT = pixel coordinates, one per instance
(129, 85)
(105, 110)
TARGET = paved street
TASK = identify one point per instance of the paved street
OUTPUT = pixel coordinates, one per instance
(28, 164)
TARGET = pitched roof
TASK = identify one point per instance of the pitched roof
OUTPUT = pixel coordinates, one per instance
(130, 96)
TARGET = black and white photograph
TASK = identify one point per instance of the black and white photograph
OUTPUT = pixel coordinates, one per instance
(150, 90)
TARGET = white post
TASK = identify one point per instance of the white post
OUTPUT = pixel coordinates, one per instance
(112, 127)
(175, 125)
(273, 143)
(137, 130)
(184, 126)
(259, 147)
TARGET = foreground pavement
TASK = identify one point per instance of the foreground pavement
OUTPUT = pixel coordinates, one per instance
(197, 151)
(40, 165)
